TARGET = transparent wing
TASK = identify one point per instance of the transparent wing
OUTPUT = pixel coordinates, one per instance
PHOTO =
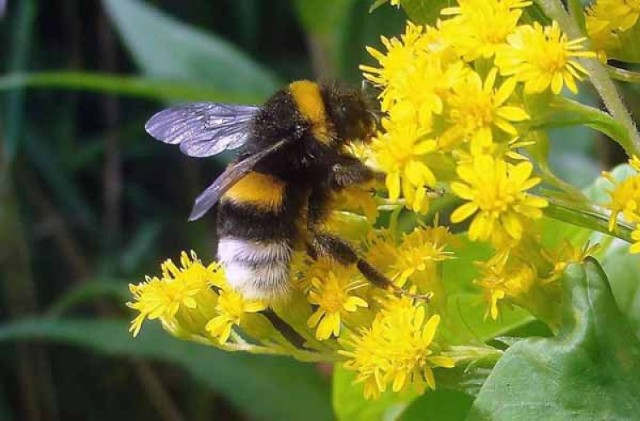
(203, 128)
(228, 178)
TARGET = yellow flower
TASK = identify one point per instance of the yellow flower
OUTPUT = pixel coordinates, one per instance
(480, 27)
(178, 290)
(542, 57)
(635, 236)
(496, 193)
(397, 350)
(230, 309)
(601, 33)
(634, 162)
(381, 248)
(420, 251)
(358, 199)
(625, 199)
(331, 295)
(504, 277)
(400, 152)
(398, 58)
(620, 14)
(564, 255)
(416, 94)
(476, 107)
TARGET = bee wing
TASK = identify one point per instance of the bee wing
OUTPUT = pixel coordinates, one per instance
(203, 128)
(229, 177)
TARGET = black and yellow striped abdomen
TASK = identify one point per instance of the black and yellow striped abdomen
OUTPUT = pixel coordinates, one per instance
(256, 229)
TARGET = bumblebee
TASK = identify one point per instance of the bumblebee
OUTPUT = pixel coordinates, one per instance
(291, 158)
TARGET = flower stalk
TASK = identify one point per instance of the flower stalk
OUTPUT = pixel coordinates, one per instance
(598, 75)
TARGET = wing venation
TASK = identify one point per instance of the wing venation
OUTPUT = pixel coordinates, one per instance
(203, 128)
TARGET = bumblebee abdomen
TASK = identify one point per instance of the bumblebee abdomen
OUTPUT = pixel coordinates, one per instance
(256, 227)
(258, 269)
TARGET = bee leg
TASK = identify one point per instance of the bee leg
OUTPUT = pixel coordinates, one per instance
(349, 171)
(324, 244)
(320, 243)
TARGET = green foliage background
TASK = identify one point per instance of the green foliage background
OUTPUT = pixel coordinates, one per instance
(88, 204)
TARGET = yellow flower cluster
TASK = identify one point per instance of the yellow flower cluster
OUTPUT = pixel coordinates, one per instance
(625, 201)
(526, 275)
(609, 21)
(330, 302)
(194, 302)
(397, 349)
(454, 99)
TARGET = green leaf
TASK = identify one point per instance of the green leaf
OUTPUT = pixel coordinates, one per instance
(326, 23)
(591, 370)
(424, 12)
(622, 269)
(141, 245)
(165, 48)
(563, 112)
(88, 291)
(267, 388)
(629, 50)
(377, 4)
(592, 219)
(134, 86)
(534, 13)
(623, 75)
(577, 13)
(349, 403)
(43, 158)
(364, 29)
(466, 307)
(322, 16)
(22, 34)
(467, 379)
(441, 404)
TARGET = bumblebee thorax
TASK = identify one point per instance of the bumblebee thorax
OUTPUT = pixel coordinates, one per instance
(308, 98)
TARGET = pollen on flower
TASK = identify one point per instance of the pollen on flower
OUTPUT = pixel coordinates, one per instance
(399, 152)
(334, 296)
(419, 253)
(501, 277)
(542, 58)
(475, 107)
(496, 193)
(179, 298)
(230, 309)
(625, 200)
(635, 236)
(397, 350)
(479, 27)
(564, 255)
(612, 16)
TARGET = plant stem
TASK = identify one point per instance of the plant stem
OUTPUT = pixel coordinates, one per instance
(623, 75)
(598, 74)
(565, 212)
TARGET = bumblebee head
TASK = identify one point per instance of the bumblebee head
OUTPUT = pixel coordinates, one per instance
(352, 116)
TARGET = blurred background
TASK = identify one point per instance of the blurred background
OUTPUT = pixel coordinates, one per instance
(89, 203)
